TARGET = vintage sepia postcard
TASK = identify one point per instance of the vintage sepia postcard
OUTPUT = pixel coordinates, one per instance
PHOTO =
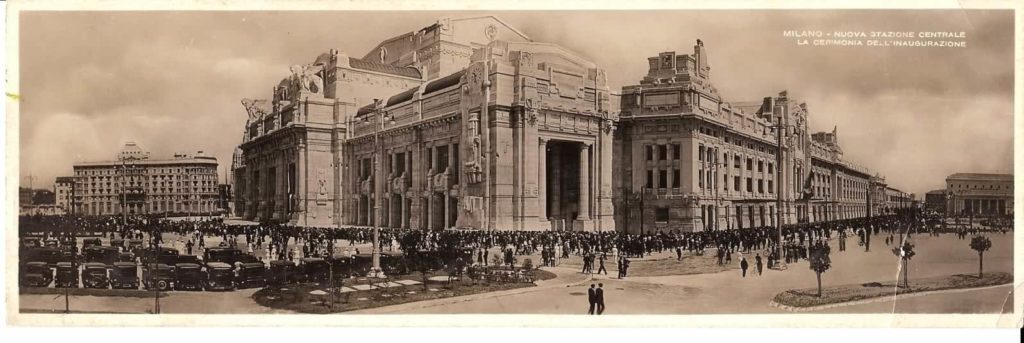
(591, 164)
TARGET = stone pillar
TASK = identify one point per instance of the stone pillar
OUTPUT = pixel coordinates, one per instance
(542, 179)
(430, 211)
(447, 209)
(584, 208)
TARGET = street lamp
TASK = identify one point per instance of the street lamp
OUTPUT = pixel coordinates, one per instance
(778, 128)
(381, 117)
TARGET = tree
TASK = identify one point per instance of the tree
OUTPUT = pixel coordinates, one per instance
(819, 261)
(980, 244)
(905, 252)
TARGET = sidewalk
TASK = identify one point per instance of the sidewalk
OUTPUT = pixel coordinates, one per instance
(566, 277)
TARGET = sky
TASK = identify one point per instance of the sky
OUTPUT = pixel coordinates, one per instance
(173, 81)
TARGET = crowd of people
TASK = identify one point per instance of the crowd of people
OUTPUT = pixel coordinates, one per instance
(281, 241)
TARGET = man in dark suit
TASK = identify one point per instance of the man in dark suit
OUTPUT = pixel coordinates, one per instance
(591, 298)
(599, 295)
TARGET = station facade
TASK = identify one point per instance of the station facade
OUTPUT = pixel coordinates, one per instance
(470, 124)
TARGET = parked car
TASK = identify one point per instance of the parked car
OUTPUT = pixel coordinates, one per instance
(161, 255)
(224, 255)
(188, 276)
(89, 242)
(67, 275)
(313, 269)
(36, 274)
(49, 255)
(102, 254)
(252, 274)
(94, 275)
(124, 275)
(134, 245)
(117, 243)
(157, 275)
(219, 276)
(280, 272)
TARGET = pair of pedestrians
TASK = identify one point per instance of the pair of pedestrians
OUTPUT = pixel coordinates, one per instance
(596, 298)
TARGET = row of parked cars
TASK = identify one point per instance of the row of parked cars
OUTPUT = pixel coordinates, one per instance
(118, 266)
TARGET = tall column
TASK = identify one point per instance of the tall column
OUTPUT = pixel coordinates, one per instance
(584, 209)
(542, 179)
(430, 211)
(447, 208)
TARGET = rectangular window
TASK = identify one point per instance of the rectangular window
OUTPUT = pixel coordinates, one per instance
(675, 151)
(661, 214)
(771, 189)
(675, 178)
(663, 179)
(750, 185)
(750, 164)
(736, 183)
(760, 166)
(662, 152)
(700, 178)
(760, 186)
(736, 161)
(650, 179)
(700, 153)
(650, 152)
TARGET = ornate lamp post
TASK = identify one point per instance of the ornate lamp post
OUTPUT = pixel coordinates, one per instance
(380, 117)
(778, 128)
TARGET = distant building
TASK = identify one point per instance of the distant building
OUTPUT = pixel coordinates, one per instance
(43, 197)
(979, 194)
(224, 202)
(63, 188)
(24, 196)
(935, 200)
(136, 184)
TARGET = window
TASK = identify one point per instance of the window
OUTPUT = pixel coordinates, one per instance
(700, 178)
(736, 183)
(675, 179)
(750, 185)
(650, 179)
(736, 161)
(662, 152)
(760, 166)
(661, 214)
(700, 153)
(771, 189)
(650, 152)
(750, 164)
(663, 179)
(760, 186)
(675, 151)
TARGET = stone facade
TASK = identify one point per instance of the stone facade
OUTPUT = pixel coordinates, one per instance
(137, 184)
(979, 194)
(451, 126)
(62, 189)
(686, 159)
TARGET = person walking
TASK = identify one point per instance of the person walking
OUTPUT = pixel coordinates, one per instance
(744, 265)
(601, 267)
(592, 298)
(600, 298)
(757, 263)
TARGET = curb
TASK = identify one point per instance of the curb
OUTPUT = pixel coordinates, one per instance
(789, 308)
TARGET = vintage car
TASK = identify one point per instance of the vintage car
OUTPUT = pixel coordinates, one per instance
(188, 276)
(94, 275)
(280, 272)
(162, 255)
(219, 276)
(31, 242)
(67, 275)
(134, 245)
(117, 243)
(50, 255)
(36, 274)
(124, 275)
(89, 242)
(252, 274)
(157, 275)
(187, 259)
(313, 269)
(224, 255)
(102, 254)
